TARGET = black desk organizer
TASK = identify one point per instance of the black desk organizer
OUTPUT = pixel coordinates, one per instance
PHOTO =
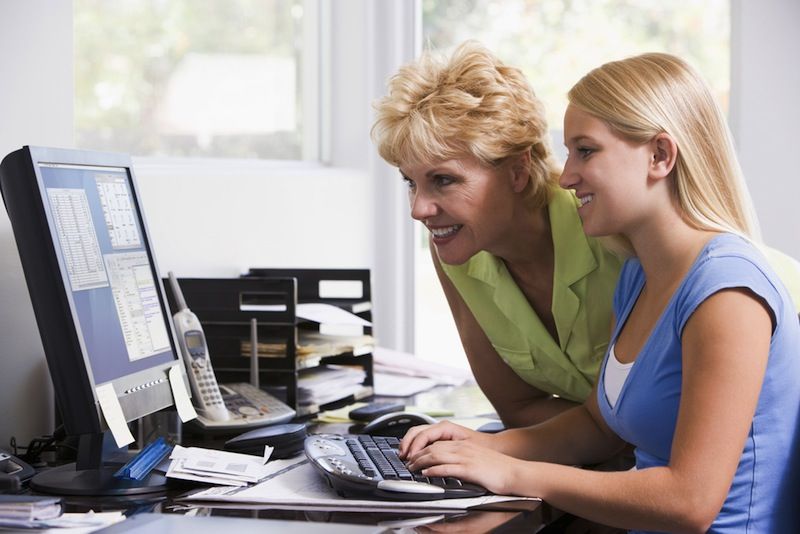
(225, 308)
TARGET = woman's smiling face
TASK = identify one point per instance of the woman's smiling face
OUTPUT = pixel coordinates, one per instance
(465, 204)
(608, 173)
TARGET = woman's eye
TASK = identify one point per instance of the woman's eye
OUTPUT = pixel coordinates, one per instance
(443, 179)
(585, 152)
(409, 182)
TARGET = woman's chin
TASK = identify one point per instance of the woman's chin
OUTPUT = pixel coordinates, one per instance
(452, 257)
(592, 230)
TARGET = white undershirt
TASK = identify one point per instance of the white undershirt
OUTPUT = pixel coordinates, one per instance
(615, 375)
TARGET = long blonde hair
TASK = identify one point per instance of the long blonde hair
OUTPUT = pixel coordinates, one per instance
(642, 96)
(468, 105)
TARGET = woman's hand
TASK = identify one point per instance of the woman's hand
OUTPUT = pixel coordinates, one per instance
(420, 436)
(471, 462)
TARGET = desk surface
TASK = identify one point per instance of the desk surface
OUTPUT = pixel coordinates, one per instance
(464, 401)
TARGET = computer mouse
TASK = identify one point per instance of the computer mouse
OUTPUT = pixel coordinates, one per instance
(396, 423)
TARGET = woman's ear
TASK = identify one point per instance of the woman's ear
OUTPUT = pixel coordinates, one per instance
(521, 171)
(665, 154)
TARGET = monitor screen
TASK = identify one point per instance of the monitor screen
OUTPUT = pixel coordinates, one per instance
(95, 224)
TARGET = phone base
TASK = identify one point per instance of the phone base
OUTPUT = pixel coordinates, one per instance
(67, 480)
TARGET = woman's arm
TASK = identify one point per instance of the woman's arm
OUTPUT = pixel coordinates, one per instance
(725, 347)
(515, 401)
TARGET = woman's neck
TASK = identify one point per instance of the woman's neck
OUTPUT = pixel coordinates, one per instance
(530, 246)
(667, 251)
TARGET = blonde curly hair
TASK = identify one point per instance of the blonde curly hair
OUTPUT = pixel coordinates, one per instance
(468, 105)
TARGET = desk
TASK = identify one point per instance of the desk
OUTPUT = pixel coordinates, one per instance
(464, 401)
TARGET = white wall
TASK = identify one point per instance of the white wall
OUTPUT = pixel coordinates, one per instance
(765, 113)
(35, 108)
(218, 221)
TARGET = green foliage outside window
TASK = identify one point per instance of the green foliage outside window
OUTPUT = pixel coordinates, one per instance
(127, 52)
(555, 42)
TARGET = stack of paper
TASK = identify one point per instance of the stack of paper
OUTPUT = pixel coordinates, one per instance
(217, 467)
(28, 512)
(313, 345)
(71, 522)
(29, 507)
(328, 383)
(394, 362)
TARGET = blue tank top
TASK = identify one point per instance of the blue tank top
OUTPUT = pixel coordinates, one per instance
(765, 494)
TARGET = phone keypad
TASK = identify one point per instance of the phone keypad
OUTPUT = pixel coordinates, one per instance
(207, 385)
(250, 401)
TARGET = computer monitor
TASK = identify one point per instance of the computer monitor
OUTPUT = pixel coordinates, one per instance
(97, 297)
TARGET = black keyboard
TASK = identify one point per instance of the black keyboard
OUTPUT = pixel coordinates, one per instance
(368, 467)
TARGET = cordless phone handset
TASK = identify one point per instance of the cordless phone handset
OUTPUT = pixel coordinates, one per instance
(194, 350)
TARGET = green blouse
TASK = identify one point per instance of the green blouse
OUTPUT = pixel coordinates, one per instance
(584, 277)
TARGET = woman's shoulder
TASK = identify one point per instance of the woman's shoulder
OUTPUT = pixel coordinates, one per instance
(729, 255)
(730, 261)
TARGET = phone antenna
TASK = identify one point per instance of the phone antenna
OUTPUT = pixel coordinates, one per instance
(176, 292)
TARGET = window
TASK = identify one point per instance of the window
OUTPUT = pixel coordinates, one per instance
(555, 42)
(218, 78)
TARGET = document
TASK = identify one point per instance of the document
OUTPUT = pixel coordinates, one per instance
(218, 467)
(402, 363)
(295, 484)
(392, 385)
(328, 383)
(329, 314)
(72, 523)
(29, 507)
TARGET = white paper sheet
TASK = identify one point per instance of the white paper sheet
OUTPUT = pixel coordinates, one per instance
(183, 402)
(112, 412)
(391, 385)
(402, 363)
(217, 467)
(67, 523)
(329, 314)
(296, 483)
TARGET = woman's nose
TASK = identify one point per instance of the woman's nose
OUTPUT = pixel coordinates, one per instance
(568, 179)
(422, 206)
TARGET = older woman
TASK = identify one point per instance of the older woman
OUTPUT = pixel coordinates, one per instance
(529, 292)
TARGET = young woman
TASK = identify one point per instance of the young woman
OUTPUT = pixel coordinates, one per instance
(701, 371)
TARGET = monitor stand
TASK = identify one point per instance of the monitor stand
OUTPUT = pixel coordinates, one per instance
(91, 475)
